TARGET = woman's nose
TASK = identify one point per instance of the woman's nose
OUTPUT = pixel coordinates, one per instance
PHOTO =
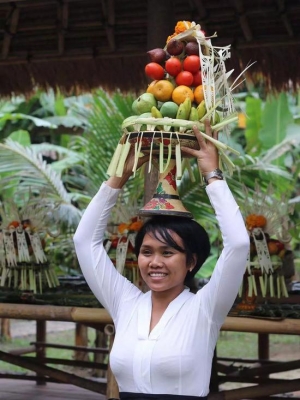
(156, 262)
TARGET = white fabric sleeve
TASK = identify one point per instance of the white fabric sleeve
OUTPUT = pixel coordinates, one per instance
(219, 293)
(107, 284)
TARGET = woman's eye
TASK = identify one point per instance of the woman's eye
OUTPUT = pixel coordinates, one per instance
(168, 253)
(146, 252)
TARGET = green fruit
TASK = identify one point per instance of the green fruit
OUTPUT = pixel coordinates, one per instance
(145, 115)
(169, 109)
(155, 112)
(145, 102)
(193, 114)
(201, 109)
(184, 109)
(134, 108)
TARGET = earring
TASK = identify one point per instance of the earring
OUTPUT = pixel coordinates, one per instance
(191, 269)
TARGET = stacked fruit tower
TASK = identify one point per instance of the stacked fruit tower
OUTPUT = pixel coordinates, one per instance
(188, 84)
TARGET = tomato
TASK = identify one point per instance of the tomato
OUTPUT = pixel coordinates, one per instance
(197, 78)
(184, 78)
(173, 66)
(191, 64)
(154, 71)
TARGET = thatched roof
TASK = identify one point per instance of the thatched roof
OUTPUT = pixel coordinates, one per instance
(85, 44)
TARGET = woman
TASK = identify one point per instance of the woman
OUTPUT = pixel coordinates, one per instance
(165, 338)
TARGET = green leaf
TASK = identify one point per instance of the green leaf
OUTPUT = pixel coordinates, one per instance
(275, 119)
(253, 112)
(19, 116)
(59, 105)
(21, 136)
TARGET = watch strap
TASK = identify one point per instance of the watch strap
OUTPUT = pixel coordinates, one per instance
(216, 173)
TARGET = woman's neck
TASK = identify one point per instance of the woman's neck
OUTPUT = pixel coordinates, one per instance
(161, 300)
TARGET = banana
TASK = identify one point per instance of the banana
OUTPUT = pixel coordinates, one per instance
(155, 112)
(201, 109)
(184, 109)
(193, 114)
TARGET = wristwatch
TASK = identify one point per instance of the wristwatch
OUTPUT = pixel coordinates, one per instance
(216, 173)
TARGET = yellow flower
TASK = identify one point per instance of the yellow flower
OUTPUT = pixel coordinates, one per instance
(180, 27)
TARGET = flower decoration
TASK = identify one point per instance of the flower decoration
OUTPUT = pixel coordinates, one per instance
(120, 238)
(133, 225)
(268, 222)
(255, 221)
(180, 27)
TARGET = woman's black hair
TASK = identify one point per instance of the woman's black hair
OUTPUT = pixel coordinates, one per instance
(194, 237)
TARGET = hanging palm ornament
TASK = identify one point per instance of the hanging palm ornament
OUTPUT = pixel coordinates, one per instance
(23, 261)
(189, 84)
(120, 239)
(267, 220)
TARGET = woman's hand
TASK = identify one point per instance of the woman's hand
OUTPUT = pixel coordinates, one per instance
(207, 156)
(118, 182)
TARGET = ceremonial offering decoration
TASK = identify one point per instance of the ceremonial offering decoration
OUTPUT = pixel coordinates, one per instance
(268, 264)
(188, 84)
(23, 261)
(120, 240)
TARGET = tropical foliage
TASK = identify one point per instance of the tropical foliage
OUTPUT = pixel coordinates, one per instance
(68, 168)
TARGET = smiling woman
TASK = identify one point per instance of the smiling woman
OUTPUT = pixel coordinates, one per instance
(165, 338)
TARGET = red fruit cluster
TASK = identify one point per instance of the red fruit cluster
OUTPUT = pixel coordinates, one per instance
(180, 62)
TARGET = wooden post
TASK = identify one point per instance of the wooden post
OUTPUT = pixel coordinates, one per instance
(214, 379)
(112, 391)
(5, 329)
(263, 346)
(160, 24)
(81, 340)
(41, 334)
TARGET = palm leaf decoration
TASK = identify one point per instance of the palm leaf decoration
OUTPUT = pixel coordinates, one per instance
(26, 167)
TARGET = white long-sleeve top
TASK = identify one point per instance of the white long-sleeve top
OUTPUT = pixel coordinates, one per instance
(176, 356)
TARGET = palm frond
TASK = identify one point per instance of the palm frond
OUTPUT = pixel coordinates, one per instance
(22, 164)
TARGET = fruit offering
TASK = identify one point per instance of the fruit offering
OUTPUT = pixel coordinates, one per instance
(270, 258)
(187, 85)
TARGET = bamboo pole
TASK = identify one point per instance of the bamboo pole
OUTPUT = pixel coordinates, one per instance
(101, 316)
(255, 325)
(54, 313)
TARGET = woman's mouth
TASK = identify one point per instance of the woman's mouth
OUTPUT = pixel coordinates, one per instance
(157, 274)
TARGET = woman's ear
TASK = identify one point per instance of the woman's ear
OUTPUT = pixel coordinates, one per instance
(193, 263)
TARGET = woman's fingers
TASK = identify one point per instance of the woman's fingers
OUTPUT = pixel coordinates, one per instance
(199, 136)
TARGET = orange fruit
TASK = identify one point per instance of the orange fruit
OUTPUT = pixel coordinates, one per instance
(150, 87)
(198, 94)
(180, 93)
(162, 90)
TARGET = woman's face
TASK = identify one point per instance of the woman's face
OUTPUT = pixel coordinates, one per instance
(162, 267)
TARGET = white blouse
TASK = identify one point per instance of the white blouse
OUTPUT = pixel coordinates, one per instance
(176, 356)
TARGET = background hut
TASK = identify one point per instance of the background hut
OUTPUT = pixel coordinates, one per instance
(78, 45)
